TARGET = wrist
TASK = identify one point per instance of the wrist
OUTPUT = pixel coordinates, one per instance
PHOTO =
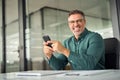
(66, 52)
(48, 56)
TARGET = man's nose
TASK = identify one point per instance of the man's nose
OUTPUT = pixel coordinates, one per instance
(76, 23)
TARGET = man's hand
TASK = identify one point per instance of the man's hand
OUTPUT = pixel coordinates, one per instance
(48, 51)
(58, 47)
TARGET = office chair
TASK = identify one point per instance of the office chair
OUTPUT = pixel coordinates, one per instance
(111, 53)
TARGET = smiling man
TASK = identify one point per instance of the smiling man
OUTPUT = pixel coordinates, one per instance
(83, 51)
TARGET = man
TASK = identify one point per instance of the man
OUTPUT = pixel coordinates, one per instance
(83, 51)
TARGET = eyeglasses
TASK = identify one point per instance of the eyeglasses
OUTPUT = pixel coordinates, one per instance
(77, 21)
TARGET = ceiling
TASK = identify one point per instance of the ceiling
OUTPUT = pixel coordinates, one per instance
(95, 8)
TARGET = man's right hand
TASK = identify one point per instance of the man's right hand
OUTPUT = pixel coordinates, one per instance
(48, 51)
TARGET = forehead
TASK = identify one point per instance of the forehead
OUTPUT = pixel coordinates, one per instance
(75, 17)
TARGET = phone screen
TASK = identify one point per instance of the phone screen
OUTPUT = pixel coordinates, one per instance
(47, 38)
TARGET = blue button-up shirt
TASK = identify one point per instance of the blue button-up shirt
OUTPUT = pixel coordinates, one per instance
(86, 53)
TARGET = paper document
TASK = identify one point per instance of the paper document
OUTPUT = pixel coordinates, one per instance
(27, 74)
(84, 73)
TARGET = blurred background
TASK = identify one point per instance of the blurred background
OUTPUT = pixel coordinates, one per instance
(47, 17)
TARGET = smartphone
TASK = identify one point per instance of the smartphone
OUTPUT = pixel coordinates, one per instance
(47, 38)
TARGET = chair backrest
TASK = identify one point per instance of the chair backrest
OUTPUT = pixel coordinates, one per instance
(111, 53)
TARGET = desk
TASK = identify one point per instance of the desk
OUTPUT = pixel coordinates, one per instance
(64, 75)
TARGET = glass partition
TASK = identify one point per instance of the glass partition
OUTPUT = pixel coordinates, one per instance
(36, 41)
(55, 23)
(12, 36)
(0, 34)
(50, 17)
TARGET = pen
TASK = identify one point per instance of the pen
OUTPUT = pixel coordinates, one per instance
(70, 74)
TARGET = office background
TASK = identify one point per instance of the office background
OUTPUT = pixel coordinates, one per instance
(24, 22)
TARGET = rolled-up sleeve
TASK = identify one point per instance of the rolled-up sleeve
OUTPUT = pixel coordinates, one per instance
(58, 61)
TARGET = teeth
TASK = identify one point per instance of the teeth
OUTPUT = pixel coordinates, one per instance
(76, 29)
